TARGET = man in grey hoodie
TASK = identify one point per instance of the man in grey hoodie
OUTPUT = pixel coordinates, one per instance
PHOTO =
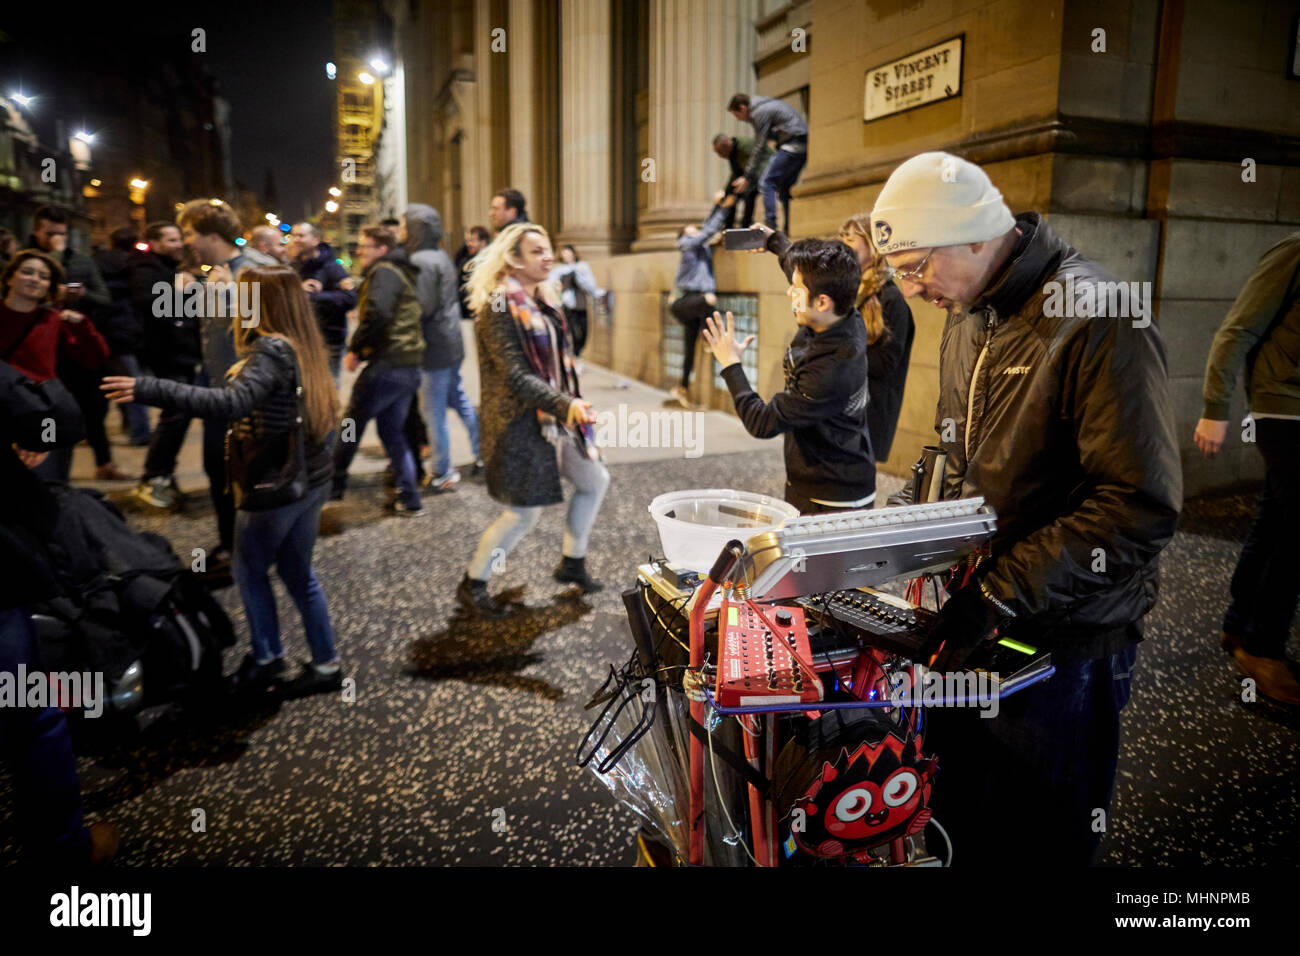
(438, 291)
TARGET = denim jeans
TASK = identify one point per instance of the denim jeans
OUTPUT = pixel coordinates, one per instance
(135, 414)
(442, 388)
(1265, 586)
(782, 172)
(37, 747)
(1023, 788)
(285, 537)
(383, 393)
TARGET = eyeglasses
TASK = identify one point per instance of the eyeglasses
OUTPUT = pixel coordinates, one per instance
(912, 275)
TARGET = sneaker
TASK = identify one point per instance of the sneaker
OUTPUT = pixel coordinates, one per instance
(140, 441)
(313, 679)
(252, 677)
(158, 492)
(404, 511)
(1273, 678)
(574, 571)
(679, 393)
(472, 595)
(478, 468)
(440, 483)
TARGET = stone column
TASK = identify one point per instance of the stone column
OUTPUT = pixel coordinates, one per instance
(585, 126)
(700, 54)
(522, 62)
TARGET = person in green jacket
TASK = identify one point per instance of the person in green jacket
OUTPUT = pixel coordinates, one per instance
(1261, 333)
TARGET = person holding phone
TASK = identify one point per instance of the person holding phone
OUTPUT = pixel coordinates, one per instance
(536, 427)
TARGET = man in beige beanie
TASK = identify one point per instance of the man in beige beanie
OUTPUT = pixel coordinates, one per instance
(1061, 420)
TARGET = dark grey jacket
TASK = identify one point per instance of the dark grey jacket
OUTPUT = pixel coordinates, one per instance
(521, 466)
(436, 287)
(260, 398)
(772, 120)
(1065, 426)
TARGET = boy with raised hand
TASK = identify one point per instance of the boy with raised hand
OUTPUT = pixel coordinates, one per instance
(823, 410)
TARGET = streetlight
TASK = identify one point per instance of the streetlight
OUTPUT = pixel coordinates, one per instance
(87, 138)
(335, 191)
(366, 78)
(23, 101)
(138, 183)
(379, 66)
(330, 71)
(331, 206)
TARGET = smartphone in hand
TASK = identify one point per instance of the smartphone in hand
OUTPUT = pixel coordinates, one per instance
(744, 239)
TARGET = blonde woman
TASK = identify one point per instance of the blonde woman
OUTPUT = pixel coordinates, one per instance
(535, 425)
(890, 330)
(264, 407)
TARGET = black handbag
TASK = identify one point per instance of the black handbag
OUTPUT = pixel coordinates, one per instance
(268, 471)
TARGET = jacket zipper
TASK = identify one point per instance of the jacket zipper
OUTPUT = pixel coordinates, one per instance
(991, 324)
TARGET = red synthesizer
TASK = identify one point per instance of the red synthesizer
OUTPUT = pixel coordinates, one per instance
(764, 657)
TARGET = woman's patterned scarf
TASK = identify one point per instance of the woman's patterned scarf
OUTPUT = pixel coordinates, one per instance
(544, 336)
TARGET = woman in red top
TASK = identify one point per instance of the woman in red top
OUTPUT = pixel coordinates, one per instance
(34, 336)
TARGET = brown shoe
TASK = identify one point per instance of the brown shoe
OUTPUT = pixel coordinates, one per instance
(1273, 677)
(111, 472)
(104, 839)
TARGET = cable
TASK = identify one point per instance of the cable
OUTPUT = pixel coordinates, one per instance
(723, 803)
(946, 839)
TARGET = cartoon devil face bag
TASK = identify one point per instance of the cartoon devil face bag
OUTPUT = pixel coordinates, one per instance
(866, 798)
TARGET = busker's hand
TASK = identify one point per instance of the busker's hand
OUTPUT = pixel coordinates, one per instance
(1210, 436)
(119, 389)
(352, 361)
(311, 285)
(69, 315)
(963, 624)
(579, 413)
(30, 458)
(722, 339)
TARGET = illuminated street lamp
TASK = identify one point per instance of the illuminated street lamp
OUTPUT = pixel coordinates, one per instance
(331, 206)
(23, 101)
(331, 71)
(139, 183)
(379, 66)
(366, 78)
(87, 138)
(335, 191)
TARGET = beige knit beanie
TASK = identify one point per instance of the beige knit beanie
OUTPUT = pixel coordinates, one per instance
(937, 199)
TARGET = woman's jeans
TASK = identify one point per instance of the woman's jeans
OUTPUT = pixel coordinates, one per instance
(442, 388)
(590, 482)
(285, 537)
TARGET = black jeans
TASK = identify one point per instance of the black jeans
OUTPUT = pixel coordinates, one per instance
(214, 466)
(690, 310)
(84, 386)
(168, 435)
(1023, 788)
(1266, 586)
(577, 319)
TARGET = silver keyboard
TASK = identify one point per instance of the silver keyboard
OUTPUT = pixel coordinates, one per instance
(851, 549)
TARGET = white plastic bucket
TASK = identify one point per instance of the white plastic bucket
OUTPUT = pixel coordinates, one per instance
(696, 524)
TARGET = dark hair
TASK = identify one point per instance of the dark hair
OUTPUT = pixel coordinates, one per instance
(514, 200)
(49, 214)
(21, 256)
(481, 233)
(737, 101)
(382, 235)
(720, 139)
(208, 217)
(827, 267)
(153, 232)
(390, 221)
(123, 239)
(576, 257)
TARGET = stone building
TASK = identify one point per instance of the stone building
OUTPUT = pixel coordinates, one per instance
(1161, 138)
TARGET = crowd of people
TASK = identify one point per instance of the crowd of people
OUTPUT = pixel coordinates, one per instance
(1064, 426)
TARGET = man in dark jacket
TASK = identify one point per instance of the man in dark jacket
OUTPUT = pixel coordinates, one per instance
(738, 151)
(85, 291)
(390, 339)
(332, 291)
(476, 238)
(823, 410)
(121, 326)
(444, 349)
(34, 742)
(1058, 414)
(170, 349)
